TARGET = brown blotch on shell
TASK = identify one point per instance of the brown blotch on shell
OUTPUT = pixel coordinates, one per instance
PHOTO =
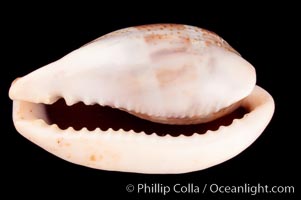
(167, 76)
(92, 158)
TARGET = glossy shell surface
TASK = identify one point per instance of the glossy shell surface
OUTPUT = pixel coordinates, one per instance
(165, 73)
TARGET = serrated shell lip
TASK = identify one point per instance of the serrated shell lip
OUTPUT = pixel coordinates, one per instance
(155, 154)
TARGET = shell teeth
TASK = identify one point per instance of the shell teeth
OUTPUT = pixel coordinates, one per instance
(169, 115)
(70, 101)
(191, 114)
(48, 100)
(40, 122)
(70, 128)
(146, 111)
(137, 108)
(85, 101)
(182, 115)
(116, 104)
(54, 127)
(158, 114)
(84, 129)
(88, 102)
(128, 106)
(73, 100)
(153, 113)
(99, 102)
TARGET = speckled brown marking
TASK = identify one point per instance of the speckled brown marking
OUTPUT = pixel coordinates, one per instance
(207, 32)
(171, 38)
(186, 40)
(212, 39)
(153, 38)
(171, 33)
(154, 27)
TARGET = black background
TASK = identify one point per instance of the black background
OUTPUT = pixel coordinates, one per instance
(262, 36)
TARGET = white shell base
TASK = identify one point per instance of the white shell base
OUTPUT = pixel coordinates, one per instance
(141, 153)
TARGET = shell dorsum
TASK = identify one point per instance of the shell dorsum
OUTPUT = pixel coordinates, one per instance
(167, 73)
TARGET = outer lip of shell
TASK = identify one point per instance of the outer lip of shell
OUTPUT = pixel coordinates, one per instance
(120, 150)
